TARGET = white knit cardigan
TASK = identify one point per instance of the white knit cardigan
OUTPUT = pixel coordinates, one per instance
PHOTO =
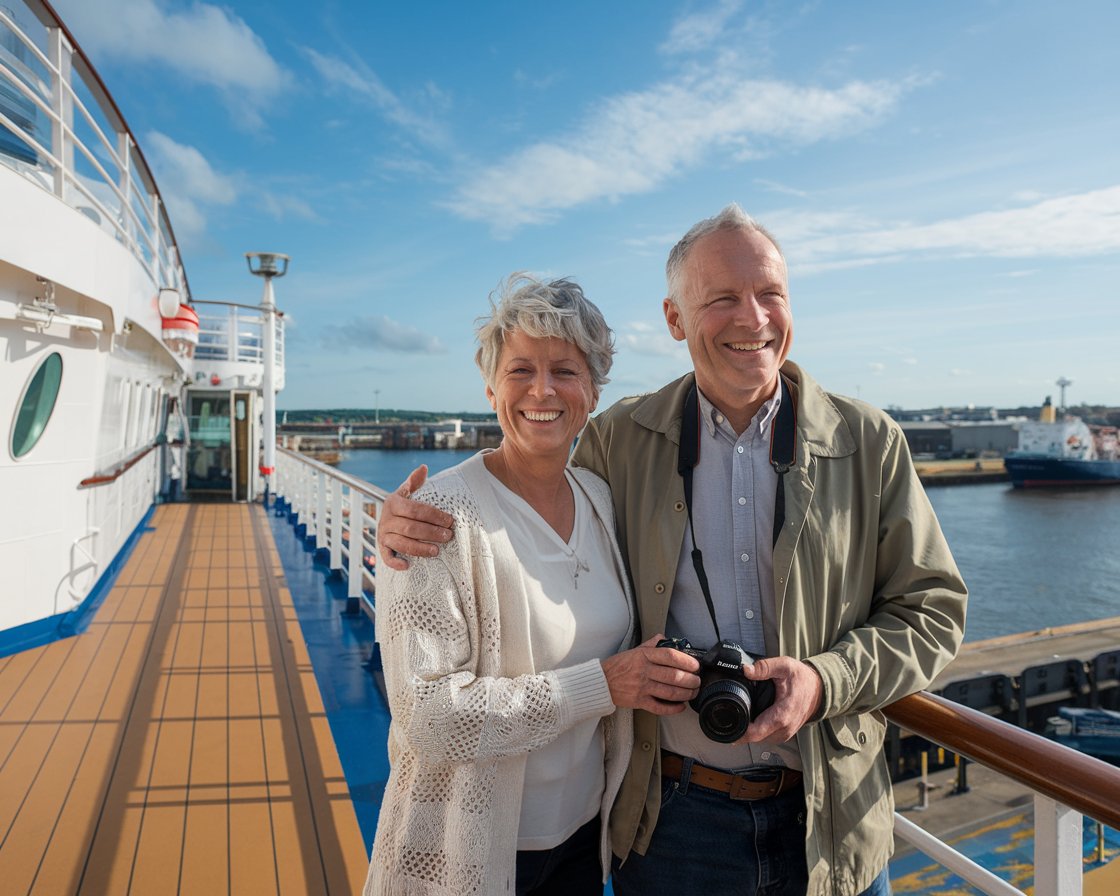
(468, 704)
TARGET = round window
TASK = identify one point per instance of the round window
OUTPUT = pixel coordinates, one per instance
(37, 405)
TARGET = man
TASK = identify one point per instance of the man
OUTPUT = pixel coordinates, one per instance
(820, 551)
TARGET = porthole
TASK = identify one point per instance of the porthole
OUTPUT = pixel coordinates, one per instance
(37, 405)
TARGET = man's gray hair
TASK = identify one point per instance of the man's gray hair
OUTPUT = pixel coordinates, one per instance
(557, 309)
(731, 218)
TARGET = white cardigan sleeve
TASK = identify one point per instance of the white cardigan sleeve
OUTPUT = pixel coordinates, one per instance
(438, 627)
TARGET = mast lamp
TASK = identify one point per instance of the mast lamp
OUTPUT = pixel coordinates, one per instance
(267, 264)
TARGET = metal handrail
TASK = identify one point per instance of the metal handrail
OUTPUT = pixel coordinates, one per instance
(1088, 785)
(338, 524)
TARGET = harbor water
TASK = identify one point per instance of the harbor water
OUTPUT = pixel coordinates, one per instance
(1031, 558)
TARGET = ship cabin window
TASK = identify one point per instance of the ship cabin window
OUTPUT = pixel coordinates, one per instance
(37, 405)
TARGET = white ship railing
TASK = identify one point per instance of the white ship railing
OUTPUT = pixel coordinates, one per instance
(1066, 785)
(340, 515)
(233, 332)
(65, 133)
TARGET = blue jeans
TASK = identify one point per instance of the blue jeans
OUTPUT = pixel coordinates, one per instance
(706, 842)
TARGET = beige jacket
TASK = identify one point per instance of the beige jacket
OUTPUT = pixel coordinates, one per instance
(468, 703)
(866, 591)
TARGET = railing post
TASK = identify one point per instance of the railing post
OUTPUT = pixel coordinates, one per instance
(60, 56)
(1057, 848)
(357, 548)
(301, 498)
(336, 527)
(320, 512)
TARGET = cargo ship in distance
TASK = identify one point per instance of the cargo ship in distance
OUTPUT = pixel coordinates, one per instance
(1064, 452)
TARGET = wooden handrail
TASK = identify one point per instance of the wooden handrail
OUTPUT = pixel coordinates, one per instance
(1081, 782)
(106, 478)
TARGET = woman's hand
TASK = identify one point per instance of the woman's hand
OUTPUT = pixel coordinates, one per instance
(660, 680)
(409, 527)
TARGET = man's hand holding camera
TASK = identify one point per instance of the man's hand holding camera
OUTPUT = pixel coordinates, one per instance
(797, 696)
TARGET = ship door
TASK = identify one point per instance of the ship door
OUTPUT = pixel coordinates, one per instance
(209, 460)
(242, 446)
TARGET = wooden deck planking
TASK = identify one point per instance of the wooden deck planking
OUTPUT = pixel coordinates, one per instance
(180, 745)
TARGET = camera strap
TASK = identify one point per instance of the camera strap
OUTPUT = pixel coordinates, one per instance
(783, 455)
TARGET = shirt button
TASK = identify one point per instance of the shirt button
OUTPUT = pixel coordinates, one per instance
(659, 588)
(744, 557)
(749, 614)
(719, 418)
(742, 500)
(679, 506)
(646, 746)
(765, 755)
(739, 448)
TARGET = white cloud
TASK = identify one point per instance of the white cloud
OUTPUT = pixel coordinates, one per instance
(188, 184)
(1066, 226)
(634, 142)
(775, 187)
(644, 338)
(365, 82)
(202, 43)
(698, 30)
(384, 332)
(282, 207)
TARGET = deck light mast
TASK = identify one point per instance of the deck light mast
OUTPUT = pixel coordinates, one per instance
(1061, 384)
(268, 265)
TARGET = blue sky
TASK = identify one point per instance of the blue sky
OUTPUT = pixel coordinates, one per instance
(943, 177)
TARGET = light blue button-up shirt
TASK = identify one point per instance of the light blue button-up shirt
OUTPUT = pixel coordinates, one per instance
(733, 493)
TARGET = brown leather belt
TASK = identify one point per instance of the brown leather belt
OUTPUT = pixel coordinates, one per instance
(738, 787)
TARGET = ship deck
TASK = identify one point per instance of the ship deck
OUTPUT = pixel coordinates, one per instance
(179, 745)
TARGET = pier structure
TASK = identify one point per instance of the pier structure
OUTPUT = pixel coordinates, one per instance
(451, 433)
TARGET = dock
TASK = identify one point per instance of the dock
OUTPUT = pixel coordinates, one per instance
(961, 471)
(179, 744)
(1010, 654)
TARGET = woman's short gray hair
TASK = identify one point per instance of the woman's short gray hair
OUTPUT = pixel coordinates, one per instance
(730, 218)
(557, 309)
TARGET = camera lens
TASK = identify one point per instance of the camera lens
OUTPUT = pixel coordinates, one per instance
(724, 708)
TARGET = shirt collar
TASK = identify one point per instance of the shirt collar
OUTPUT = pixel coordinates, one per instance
(716, 422)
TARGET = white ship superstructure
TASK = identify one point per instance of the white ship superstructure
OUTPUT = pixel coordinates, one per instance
(115, 392)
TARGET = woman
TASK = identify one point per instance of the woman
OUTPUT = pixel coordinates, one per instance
(506, 743)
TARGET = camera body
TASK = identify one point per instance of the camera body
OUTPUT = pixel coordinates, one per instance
(726, 701)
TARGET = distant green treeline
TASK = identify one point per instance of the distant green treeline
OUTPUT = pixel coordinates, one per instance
(384, 415)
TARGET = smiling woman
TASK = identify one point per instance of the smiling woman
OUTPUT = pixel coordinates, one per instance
(505, 657)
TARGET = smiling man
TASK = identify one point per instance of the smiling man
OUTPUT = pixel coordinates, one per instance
(755, 508)
(801, 533)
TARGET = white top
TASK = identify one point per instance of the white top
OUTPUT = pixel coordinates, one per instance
(577, 612)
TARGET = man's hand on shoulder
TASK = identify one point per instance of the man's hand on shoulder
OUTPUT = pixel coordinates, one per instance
(407, 527)
(797, 697)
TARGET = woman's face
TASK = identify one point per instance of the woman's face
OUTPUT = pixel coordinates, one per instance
(543, 394)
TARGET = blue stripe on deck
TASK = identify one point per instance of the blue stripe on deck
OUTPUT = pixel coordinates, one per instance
(339, 646)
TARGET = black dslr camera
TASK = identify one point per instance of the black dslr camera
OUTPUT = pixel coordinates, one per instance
(726, 701)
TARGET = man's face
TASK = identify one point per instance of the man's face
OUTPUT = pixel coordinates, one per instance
(734, 312)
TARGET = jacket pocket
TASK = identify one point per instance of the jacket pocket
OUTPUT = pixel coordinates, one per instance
(854, 732)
